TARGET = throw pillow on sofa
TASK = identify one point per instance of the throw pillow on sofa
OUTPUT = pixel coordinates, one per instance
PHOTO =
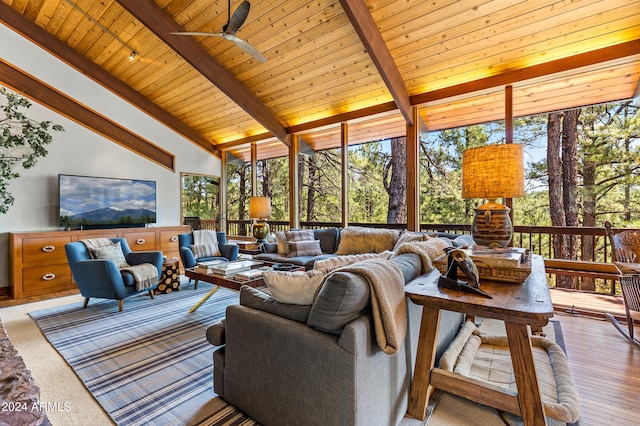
(299, 235)
(304, 248)
(297, 288)
(408, 236)
(358, 240)
(281, 240)
(342, 298)
(256, 299)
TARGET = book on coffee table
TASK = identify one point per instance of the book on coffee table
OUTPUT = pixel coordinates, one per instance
(249, 275)
(232, 268)
(508, 257)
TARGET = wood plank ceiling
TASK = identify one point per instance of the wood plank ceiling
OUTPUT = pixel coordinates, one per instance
(367, 66)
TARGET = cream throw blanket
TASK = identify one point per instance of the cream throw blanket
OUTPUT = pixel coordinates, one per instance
(427, 250)
(388, 302)
(145, 275)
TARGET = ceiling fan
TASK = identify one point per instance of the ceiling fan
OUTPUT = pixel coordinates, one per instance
(229, 30)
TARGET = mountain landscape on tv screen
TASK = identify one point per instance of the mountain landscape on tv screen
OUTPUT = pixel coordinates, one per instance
(110, 216)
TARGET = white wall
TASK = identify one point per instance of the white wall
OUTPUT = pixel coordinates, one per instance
(79, 151)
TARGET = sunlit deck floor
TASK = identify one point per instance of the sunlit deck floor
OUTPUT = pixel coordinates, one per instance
(606, 368)
(587, 303)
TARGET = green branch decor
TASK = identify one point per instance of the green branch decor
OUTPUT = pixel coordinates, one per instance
(22, 142)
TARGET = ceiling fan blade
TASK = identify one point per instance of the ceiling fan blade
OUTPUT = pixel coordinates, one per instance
(238, 18)
(246, 47)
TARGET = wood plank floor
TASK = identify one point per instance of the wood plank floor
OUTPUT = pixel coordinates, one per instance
(606, 368)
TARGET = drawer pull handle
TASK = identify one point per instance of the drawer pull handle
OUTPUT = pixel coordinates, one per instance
(140, 241)
(174, 238)
(48, 277)
(48, 249)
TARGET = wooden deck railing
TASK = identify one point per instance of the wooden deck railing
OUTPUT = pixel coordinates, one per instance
(590, 255)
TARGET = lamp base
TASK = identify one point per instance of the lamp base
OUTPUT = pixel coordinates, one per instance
(492, 225)
(260, 231)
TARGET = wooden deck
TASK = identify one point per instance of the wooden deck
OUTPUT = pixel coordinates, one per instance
(606, 368)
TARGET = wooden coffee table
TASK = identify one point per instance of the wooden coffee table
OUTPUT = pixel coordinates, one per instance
(230, 283)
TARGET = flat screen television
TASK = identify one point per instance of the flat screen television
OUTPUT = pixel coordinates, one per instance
(89, 202)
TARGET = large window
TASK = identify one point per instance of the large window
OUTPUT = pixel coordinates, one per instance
(377, 182)
(321, 186)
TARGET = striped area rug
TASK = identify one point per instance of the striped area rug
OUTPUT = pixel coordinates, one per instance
(147, 365)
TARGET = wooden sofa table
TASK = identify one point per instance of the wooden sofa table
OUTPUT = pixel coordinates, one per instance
(518, 305)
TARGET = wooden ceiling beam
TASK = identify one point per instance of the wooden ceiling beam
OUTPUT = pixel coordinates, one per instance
(43, 94)
(593, 57)
(28, 29)
(367, 29)
(162, 25)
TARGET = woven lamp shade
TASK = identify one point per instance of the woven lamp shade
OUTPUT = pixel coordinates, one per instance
(493, 171)
(260, 207)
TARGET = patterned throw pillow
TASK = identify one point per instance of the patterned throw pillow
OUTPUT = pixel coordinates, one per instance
(205, 250)
(304, 248)
(299, 235)
(111, 252)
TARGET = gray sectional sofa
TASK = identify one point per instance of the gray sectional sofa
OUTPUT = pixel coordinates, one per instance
(328, 238)
(329, 241)
(319, 364)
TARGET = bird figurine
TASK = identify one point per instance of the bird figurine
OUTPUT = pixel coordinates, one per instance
(457, 258)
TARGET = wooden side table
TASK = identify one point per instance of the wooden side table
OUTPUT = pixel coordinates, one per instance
(170, 278)
(518, 305)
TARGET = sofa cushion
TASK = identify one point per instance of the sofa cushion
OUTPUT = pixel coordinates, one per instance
(342, 298)
(256, 299)
(357, 240)
(298, 288)
(111, 252)
(281, 241)
(345, 296)
(328, 239)
(299, 235)
(408, 236)
(303, 248)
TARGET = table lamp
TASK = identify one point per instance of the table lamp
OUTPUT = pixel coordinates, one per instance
(260, 209)
(491, 172)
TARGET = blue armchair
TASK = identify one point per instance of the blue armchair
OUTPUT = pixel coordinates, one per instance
(102, 278)
(189, 260)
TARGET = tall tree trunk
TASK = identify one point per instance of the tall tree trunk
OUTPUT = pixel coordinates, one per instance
(395, 181)
(242, 200)
(570, 180)
(556, 208)
(312, 183)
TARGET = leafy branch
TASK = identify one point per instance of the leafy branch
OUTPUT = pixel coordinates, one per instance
(22, 142)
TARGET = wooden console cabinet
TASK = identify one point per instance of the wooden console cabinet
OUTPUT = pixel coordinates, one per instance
(38, 263)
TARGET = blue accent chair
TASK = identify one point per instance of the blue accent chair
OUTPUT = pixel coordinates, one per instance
(102, 278)
(189, 260)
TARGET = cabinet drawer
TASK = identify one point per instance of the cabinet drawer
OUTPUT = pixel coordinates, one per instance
(168, 240)
(141, 241)
(45, 279)
(44, 249)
